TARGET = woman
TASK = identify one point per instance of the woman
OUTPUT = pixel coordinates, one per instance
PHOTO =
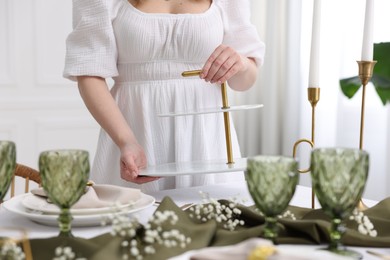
(145, 45)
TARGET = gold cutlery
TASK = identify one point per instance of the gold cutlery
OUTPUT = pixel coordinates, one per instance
(380, 255)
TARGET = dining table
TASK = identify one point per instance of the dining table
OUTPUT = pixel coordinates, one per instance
(181, 197)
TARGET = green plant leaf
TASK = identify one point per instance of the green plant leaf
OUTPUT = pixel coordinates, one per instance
(384, 95)
(382, 56)
(380, 78)
(350, 86)
(382, 87)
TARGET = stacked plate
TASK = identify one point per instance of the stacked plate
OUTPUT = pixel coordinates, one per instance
(39, 210)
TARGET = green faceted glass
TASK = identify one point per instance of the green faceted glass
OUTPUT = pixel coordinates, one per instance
(271, 182)
(7, 166)
(64, 176)
(338, 177)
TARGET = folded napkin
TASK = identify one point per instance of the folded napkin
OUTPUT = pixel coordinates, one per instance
(239, 251)
(96, 196)
(257, 249)
(310, 227)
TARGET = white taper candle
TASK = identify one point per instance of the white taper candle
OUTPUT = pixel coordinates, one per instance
(314, 69)
(368, 35)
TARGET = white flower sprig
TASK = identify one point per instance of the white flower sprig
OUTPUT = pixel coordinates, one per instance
(9, 250)
(365, 226)
(66, 253)
(139, 240)
(287, 214)
(213, 209)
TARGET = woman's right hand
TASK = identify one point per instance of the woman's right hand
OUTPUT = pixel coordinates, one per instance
(131, 161)
(101, 104)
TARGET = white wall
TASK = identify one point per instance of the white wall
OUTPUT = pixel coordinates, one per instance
(39, 110)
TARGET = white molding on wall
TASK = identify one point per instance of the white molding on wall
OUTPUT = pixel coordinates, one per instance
(66, 132)
(40, 103)
(49, 42)
(7, 61)
(7, 129)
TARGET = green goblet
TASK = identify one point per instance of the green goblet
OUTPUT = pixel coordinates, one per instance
(271, 182)
(64, 178)
(338, 177)
(7, 166)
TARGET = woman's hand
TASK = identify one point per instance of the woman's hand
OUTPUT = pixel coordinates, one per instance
(95, 93)
(226, 64)
(131, 161)
(223, 64)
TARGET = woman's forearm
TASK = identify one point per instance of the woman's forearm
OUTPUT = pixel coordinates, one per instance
(99, 101)
(244, 80)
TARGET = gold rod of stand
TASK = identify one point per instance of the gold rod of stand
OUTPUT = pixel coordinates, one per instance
(313, 95)
(366, 69)
(225, 105)
(191, 73)
(226, 119)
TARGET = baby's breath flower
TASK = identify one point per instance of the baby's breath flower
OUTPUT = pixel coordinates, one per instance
(139, 240)
(10, 250)
(287, 214)
(365, 226)
(213, 209)
(65, 253)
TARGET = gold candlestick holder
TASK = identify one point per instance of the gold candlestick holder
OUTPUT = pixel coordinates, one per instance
(313, 97)
(16, 237)
(366, 69)
(225, 105)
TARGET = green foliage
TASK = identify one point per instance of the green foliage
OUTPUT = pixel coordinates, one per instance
(380, 78)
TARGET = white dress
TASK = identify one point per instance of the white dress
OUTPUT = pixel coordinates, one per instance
(145, 54)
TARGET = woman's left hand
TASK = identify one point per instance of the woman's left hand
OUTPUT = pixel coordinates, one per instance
(223, 63)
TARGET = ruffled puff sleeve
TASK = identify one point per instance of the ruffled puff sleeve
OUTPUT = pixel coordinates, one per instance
(240, 33)
(91, 47)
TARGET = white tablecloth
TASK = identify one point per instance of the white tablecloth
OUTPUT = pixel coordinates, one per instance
(302, 198)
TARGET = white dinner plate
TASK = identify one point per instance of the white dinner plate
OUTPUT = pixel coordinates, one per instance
(195, 167)
(211, 110)
(301, 252)
(14, 205)
(37, 204)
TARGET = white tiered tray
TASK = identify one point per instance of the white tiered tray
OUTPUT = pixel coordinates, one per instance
(211, 110)
(195, 167)
(204, 167)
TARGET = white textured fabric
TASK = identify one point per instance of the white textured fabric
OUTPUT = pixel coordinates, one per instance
(145, 54)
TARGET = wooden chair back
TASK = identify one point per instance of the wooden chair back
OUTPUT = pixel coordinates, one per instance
(27, 173)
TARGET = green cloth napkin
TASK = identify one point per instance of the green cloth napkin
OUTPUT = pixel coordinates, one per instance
(310, 227)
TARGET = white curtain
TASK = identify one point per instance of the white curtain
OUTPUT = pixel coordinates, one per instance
(273, 129)
(285, 26)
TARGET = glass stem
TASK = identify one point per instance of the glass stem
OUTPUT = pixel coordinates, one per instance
(64, 221)
(270, 229)
(336, 233)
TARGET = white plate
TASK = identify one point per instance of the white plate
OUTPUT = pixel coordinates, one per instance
(301, 252)
(15, 205)
(211, 110)
(40, 204)
(195, 167)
